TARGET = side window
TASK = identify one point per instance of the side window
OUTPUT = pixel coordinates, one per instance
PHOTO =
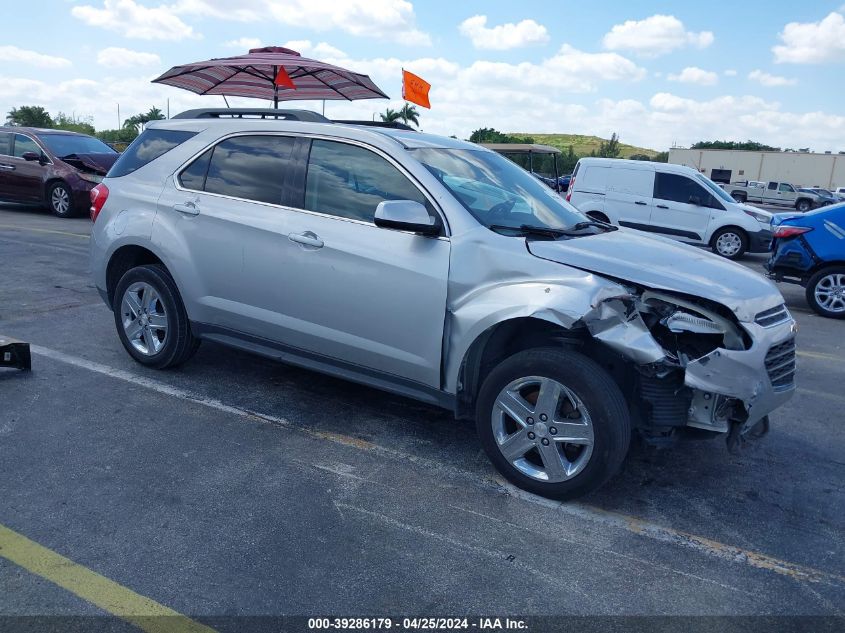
(5, 144)
(146, 148)
(676, 188)
(349, 181)
(773, 186)
(193, 176)
(250, 167)
(25, 144)
(786, 187)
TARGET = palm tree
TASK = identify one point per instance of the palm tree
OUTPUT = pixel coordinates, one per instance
(154, 114)
(410, 114)
(390, 115)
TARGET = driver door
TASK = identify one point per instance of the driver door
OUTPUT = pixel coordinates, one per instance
(27, 178)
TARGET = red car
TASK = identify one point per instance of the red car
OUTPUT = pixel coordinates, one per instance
(51, 167)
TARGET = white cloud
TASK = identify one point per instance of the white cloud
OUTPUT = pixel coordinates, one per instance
(115, 57)
(503, 36)
(22, 56)
(812, 42)
(243, 44)
(730, 72)
(770, 81)
(135, 21)
(392, 20)
(653, 36)
(694, 75)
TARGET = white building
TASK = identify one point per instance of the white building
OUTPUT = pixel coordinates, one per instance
(802, 169)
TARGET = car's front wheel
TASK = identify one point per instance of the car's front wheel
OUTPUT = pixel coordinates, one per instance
(60, 200)
(803, 205)
(729, 242)
(553, 422)
(826, 292)
(150, 318)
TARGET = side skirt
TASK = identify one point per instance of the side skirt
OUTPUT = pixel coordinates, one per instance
(324, 364)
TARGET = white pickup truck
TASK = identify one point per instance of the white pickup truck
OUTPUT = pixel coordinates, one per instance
(775, 193)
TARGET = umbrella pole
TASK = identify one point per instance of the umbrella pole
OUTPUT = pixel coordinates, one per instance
(275, 89)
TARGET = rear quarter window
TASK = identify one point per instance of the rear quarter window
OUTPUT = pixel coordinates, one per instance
(592, 178)
(151, 144)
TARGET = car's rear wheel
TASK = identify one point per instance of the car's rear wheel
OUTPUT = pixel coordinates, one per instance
(729, 242)
(826, 292)
(150, 318)
(60, 200)
(553, 422)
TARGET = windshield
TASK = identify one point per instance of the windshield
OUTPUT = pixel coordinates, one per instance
(716, 189)
(66, 144)
(496, 191)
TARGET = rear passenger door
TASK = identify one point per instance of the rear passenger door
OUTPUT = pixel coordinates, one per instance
(682, 207)
(7, 167)
(365, 295)
(628, 197)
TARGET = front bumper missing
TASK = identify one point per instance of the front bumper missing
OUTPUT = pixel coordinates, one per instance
(15, 354)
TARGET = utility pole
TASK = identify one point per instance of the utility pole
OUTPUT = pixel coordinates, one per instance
(119, 124)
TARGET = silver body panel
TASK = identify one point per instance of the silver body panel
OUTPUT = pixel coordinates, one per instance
(387, 307)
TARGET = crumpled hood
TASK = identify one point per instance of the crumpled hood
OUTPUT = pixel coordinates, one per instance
(664, 264)
(98, 163)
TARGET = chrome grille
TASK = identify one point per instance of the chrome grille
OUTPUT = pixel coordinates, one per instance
(780, 365)
(772, 317)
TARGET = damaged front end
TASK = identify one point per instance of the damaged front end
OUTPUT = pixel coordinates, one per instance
(698, 370)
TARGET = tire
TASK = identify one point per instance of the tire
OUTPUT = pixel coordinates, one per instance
(729, 242)
(60, 200)
(739, 197)
(803, 205)
(142, 333)
(588, 390)
(830, 302)
(599, 216)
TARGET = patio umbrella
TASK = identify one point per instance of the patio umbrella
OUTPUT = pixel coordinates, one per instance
(272, 72)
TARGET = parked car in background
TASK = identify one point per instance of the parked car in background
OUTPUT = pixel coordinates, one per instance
(486, 292)
(827, 196)
(809, 249)
(51, 167)
(671, 200)
(840, 191)
(775, 193)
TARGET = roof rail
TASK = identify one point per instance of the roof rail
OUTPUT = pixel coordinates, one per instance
(252, 113)
(391, 124)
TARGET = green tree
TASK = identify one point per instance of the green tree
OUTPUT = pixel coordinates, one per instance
(661, 157)
(751, 146)
(609, 149)
(154, 114)
(72, 124)
(409, 114)
(390, 115)
(490, 135)
(29, 116)
(567, 161)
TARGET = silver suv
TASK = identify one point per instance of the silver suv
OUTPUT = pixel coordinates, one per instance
(439, 270)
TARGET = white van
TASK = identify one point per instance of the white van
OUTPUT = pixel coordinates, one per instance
(671, 200)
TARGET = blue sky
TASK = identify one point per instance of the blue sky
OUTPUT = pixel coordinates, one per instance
(655, 72)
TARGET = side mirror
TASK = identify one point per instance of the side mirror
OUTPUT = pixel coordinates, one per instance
(31, 156)
(695, 200)
(406, 215)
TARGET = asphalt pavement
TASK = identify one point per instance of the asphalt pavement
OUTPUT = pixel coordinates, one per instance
(237, 486)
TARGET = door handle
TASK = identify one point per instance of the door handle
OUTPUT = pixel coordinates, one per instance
(641, 202)
(188, 208)
(306, 239)
(8, 167)
(662, 206)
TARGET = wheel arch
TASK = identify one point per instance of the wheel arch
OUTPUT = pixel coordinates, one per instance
(49, 184)
(123, 259)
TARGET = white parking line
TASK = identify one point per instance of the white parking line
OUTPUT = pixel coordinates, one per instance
(594, 514)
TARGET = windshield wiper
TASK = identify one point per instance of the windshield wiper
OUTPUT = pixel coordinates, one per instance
(528, 229)
(602, 225)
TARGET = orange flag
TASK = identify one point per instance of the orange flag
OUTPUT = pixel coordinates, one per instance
(415, 89)
(283, 79)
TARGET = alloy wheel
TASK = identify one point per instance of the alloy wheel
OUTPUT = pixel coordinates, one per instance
(144, 318)
(830, 292)
(543, 429)
(60, 199)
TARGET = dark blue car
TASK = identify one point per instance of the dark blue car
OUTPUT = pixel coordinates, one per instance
(809, 249)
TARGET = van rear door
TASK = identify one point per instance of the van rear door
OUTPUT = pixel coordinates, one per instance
(629, 196)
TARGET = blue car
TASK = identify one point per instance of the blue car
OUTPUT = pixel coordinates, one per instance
(809, 249)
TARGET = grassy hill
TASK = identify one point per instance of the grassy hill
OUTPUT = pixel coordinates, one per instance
(582, 145)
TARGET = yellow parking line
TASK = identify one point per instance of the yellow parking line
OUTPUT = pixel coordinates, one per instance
(29, 228)
(817, 355)
(143, 612)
